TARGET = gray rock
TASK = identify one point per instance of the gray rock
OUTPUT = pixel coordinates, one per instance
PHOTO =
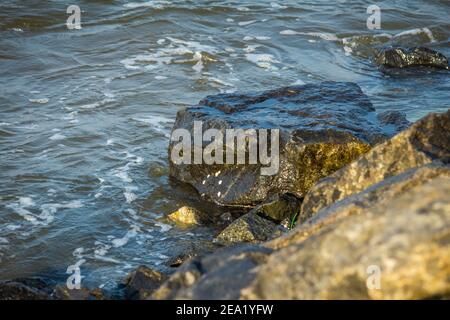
(424, 142)
(279, 208)
(397, 57)
(217, 276)
(405, 242)
(375, 195)
(15, 290)
(142, 282)
(248, 228)
(61, 292)
(322, 127)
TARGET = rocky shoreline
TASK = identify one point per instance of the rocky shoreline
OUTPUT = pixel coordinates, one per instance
(356, 190)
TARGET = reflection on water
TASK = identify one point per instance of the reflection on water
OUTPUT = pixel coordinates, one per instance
(85, 115)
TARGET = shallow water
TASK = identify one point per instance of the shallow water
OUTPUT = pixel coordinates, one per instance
(85, 115)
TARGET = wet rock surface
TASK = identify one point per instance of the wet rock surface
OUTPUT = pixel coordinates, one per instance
(394, 219)
(220, 275)
(142, 282)
(424, 142)
(61, 292)
(398, 57)
(279, 208)
(23, 290)
(248, 228)
(322, 128)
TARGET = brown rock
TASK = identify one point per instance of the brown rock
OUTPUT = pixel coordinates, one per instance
(424, 142)
(141, 283)
(406, 239)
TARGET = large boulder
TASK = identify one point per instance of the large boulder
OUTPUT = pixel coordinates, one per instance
(375, 195)
(399, 249)
(426, 141)
(322, 128)
(397, 57)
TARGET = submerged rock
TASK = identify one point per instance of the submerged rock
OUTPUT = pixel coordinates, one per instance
(426, 141)
(397, 57)
(142, 282)
(322, 128)
(397, 250)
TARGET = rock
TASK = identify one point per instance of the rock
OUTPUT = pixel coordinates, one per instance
(248, 228)
(61, 292)
(141, 283)
(188, 216)
(195, 248)
(399, 249)
(216, 276)
(322, 128)
(375, 195)
(15, 290)
(426, 141)
(397, 57)
(394, 119)
(279, 208)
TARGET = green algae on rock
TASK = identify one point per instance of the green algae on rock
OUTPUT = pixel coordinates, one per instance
(322, 127)
(425, 141)
(397, 57)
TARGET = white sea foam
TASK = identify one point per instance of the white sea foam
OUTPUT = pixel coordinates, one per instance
(164, 227)
(416, 32)
(150, 4)
(39, 100)
(57, 136)
(323, 35)
(262, 60)
(189, 51)
(123, 175)
(246, 23)
(298, 82)
(251, 48)
(277, 6)
(129, 195)
(120, 242)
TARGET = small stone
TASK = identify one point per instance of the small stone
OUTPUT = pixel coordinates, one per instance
(187, 216)
(248, 228)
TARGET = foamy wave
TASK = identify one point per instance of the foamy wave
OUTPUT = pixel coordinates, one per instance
(177, 51)
(151, 4)
(262, 60)
(323, 35)
(39, 100)
(48, 210)
(120, 242)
